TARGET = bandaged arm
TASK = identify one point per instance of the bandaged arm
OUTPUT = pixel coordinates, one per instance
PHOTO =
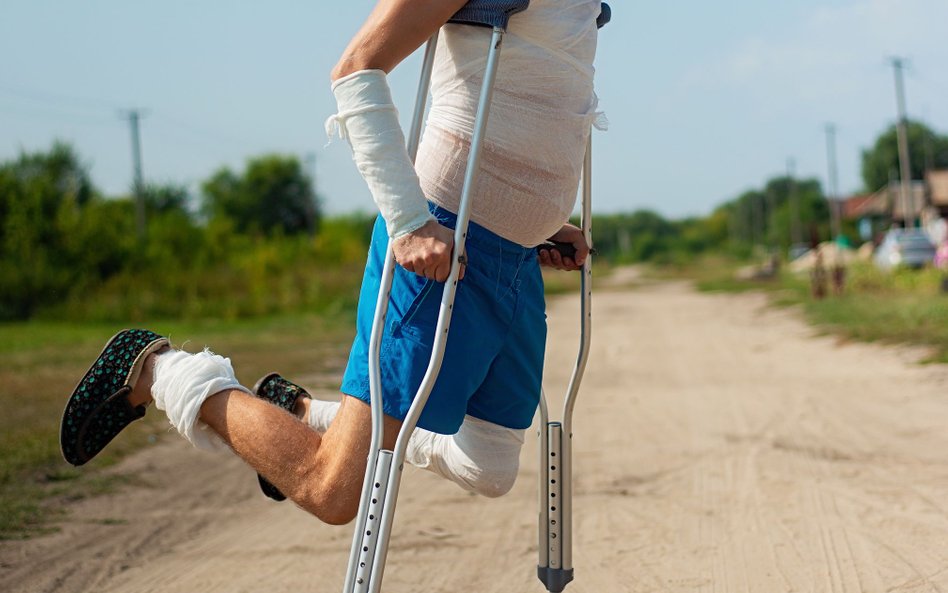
(367, 118)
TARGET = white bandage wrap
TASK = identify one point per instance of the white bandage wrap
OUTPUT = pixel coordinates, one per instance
(182, 382)
(367, 118)
(542, 108)
(482, 457)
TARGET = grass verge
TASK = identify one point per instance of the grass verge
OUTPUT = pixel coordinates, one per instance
(900, 307)
(40, 362)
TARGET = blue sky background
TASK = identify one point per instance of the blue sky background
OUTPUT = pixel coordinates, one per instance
(705, 99)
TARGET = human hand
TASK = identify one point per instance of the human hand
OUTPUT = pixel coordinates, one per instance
(568, 234)
(427, 251)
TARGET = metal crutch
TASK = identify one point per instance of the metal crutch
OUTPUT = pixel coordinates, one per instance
(555, 566)
(384, 467)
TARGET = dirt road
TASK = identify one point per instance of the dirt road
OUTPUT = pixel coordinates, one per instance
(720, 446)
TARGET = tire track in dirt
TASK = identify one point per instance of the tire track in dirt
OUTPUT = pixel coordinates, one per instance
(720, 446)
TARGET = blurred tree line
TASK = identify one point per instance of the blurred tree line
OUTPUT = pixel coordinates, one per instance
(256, 241)
(255, 245)
(927, 150)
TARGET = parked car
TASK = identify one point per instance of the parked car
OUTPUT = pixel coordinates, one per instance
(797, 250)
(910, 248)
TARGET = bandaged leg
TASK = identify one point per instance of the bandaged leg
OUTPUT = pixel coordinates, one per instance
(482, 457)
(182, 382)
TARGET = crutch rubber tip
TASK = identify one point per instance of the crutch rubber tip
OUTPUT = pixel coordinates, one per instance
(554, 579)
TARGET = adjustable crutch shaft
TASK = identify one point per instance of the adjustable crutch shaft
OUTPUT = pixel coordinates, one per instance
(365, 524)
(380, 492)
(555, 566)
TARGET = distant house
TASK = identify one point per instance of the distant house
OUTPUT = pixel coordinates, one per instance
(877, 212)
(937, 183)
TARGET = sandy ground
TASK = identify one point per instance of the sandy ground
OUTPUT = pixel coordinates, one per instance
(720, 446)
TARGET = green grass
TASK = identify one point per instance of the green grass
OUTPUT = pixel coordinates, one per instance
(900, 307)
(40, 362)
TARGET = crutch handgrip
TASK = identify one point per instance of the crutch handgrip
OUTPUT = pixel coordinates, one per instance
(565, 249)
(605, 15)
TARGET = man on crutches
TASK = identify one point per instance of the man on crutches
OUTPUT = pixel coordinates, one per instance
(472, 427)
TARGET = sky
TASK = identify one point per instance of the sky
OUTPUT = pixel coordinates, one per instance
(705, 100)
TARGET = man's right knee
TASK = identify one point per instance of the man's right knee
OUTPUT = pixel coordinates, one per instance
(328, 502)
(495, 479)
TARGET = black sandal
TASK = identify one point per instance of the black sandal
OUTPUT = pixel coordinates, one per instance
(98, 408)
(279, 392)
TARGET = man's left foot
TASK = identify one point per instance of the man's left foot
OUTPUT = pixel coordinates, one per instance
(99, 407)
(279, 392)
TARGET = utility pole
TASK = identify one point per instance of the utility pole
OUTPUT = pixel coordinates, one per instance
(905, 167)
(758, 215)
(310, 161)
(138, 188)
(833, 187)
(794, 198)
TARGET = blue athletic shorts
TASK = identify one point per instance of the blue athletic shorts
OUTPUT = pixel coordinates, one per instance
(493, 362)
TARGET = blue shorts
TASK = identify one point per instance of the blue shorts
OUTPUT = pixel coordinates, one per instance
(493, 362)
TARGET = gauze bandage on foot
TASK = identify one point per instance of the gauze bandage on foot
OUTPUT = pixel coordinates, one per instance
(368, 120)
(482, 457)
(182, 382)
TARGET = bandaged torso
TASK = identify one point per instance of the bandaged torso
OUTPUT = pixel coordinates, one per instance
(540, 116)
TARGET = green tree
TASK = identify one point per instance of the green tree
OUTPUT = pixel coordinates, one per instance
(163, 198)
(41, 196)
(927, 149)
(271, 195)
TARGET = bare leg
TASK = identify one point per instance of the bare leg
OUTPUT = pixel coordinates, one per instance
(481, 457)
(321, 473)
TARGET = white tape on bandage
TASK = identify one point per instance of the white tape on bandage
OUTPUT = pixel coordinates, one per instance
(368, 120)
(182, 382)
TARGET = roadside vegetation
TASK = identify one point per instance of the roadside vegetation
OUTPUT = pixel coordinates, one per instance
(40, 363)
(903, 306)
(251, 266)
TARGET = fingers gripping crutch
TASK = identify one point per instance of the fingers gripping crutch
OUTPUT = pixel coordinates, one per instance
(384, 468)
(555, 566)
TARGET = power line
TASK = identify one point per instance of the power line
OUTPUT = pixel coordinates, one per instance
(46, 113)
(49, 97)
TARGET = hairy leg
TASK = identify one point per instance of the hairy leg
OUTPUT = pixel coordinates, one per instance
(322, 473)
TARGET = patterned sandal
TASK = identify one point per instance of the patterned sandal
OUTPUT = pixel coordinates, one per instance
(279, 392)
(98, 408)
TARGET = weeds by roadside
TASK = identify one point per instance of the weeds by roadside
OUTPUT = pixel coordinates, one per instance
(41, 362)
(900, 307)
